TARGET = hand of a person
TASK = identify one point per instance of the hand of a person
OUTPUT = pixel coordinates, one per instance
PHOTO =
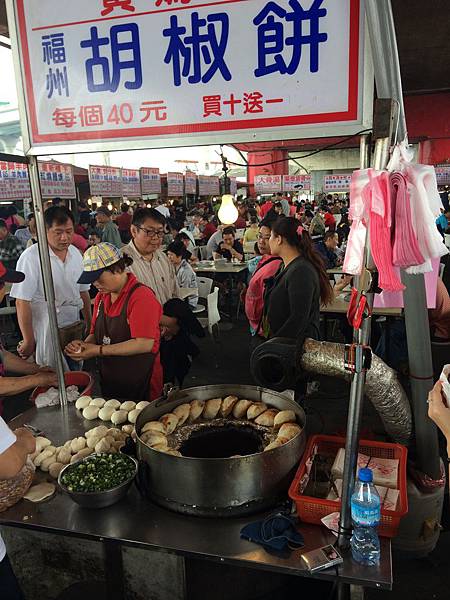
(87, 351)
(25, 437)
(73, 347)
(438, 411)
(46, 378)
(26, 348)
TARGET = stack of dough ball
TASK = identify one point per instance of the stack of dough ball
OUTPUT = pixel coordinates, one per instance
(110, 410)
(99, 439)
(154, 433)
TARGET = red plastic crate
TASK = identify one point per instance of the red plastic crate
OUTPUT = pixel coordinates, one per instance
(312, 510)
(84, 381)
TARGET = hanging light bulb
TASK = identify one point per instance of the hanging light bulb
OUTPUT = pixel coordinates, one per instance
(89, 202)
(110, 206)
(228, 213)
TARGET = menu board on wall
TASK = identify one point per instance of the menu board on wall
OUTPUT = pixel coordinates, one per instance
(267, 184)
(57, 180)
(105, 181)
(14, 182)
(150, 181)
(131, 183)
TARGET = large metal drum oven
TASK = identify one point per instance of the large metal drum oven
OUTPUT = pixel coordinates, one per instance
(206, 486)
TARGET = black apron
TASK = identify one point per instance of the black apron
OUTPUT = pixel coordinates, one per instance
(122, 377)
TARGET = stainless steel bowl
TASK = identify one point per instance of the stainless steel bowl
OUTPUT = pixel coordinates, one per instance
(98, 499)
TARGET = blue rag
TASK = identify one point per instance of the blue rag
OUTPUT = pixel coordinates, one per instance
(276, 532)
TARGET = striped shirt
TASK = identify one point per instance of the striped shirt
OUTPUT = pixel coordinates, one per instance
(155, 271)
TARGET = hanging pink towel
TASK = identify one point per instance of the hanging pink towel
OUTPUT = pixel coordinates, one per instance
(358, 213)
(380, 231)
(406, 252)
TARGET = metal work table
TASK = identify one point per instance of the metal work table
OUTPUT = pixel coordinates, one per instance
(229, 268)
(137, 522)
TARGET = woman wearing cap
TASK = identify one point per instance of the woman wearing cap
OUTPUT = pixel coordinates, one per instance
(125, 331)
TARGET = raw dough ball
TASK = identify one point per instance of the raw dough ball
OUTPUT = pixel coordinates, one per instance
(102, 446)
(55, 469)
(182, 412)
(212, 408)
(106, 413)
(81, 454)
(128, 429)
(93, 440)
(228, 405)
(256, 409)
(284, 416)
(119, 417)
(142, 404)
(112, 404)
(196, 410)
(45, 464)
(82, 402)
(66, 446)
(289, 430)
(128, 405)
(64, 456)
(77, 444)
(133, 415)
(41, 457)
(90, 412)
(170, 422)
(41, 443)
(40, 492)
(50, 448)
(267, 418)
(100, 402)
(98, 431)
(240, 408)
(116, 434)
(153, 426)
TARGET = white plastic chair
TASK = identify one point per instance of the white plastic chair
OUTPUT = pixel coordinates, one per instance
(204, 285)
(212, 320)
(203, 252)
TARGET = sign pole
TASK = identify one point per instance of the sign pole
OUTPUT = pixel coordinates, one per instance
(47, 277)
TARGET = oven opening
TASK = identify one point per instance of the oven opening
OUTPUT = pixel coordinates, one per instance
(222, 442)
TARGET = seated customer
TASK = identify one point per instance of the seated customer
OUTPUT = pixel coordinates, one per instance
(229, 247)
(251, 233)
(186, 277)
(327, 249)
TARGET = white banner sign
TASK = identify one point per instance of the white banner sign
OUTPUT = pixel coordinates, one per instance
(336, 183)
(150, 181)
(267, 184)
(105, 181)
(208, 186)
(296, 183)
(141, 73)
(443, 175)
(57, 180)
(131, 183)
(14, 182)
(190, 182)
(175, 184)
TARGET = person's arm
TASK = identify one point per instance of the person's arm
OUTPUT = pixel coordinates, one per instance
(24, 316)
(300, 294)
(128, 348)
(87, 311)
(14, 364)
(10, 386)
(14, 458)
(239, 254)
(439, 413)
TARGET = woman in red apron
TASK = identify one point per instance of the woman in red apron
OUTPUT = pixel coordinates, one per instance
(125, 333)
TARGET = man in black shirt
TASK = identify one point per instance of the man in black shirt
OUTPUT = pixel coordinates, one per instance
(327, 249)
(229, 247)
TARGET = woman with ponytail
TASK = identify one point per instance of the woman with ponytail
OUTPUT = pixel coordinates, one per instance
(294, 296)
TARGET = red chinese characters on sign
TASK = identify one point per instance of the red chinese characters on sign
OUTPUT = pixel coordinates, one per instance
(251, 103)
(91, 116)
(110, 5)
(175, 184)
(296, 183)
(267, 184)
(154, 109)
(57, 180)
(208, 186)
(150, 181)
(105, 181)
(131, 183)
(334, 183)
(170, 2)
(190, 183)
(14, 182)
(64, 117)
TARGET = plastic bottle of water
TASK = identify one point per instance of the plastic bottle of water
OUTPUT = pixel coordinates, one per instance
(366, 513)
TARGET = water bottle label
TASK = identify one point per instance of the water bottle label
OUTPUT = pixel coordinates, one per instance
(365, 516)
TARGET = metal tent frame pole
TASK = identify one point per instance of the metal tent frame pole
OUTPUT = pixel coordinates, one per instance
(47, 277)
(389, 85)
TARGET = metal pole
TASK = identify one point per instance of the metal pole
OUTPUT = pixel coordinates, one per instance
(47, 276)
(389, 85)
(359, 378)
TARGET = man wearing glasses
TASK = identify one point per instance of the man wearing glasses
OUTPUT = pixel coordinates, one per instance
(150, 265)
